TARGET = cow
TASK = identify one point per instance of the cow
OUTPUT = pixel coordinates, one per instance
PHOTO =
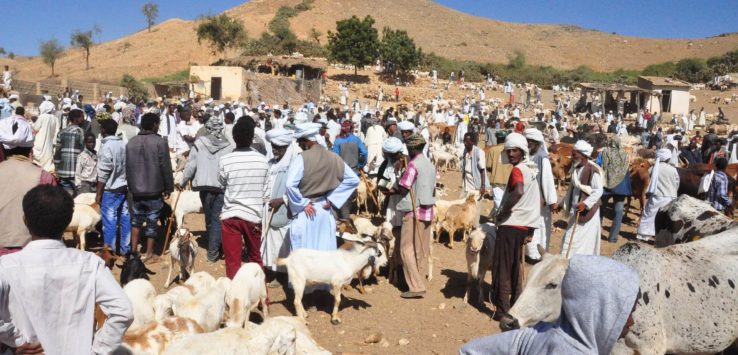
(639, 176)
(686, 219)
(686, 304)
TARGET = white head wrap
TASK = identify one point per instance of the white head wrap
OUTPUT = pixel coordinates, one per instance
(23, 136)
(279, 136)
(533, 134)
(662, 155)
(47, 97)
(67, 101)
(119, 105)
(515, 140)
(307, 131)
(584, 148)
(392, 145)
(406, 126)
(46, 107)
(13, 97)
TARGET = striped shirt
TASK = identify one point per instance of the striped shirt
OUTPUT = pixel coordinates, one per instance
(245, 175)
(425, 213)
(69, 143)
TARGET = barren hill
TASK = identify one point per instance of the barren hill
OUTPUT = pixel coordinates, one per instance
(172, 44)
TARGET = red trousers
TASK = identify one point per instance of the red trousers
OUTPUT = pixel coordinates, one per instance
(234, 232)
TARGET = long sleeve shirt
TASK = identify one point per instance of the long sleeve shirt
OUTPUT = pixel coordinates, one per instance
(86, 167)
(718, 193)
(245, 175)
(51, 291)
(352, 150)
(337, 197)
(111, 164)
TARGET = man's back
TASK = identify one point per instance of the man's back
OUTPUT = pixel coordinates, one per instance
(52, 291)
(148, 168)
(70, 143)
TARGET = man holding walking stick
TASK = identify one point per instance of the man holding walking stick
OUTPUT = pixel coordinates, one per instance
(417, 188)
(582, 202)
(518, 216)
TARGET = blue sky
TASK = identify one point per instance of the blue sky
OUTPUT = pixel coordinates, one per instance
(28, 22)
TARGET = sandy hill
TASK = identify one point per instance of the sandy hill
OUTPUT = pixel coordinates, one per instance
(172, 44)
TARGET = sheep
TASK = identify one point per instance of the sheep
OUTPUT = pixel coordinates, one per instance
(479, 249)
(186, 202)
(133, 268)
(141, 293)
(463, 216)
(443, 160)
(206, 307)
(440, 214)
(84, 220)
(163, 303)
(335, 268)
(183, 251)
(87, 198)
(278, 335)
(199, 282)
(365, 190)
(245, 293)
(154, 337)
(727, 100)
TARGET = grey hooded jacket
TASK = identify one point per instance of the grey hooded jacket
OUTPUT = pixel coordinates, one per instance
(598, 296)
(202, 165)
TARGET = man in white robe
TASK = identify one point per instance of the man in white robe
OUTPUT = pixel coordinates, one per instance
(583, 200)
(662, 189)
(375, 137)
(313, 191)
(45, 128)
(549, 199)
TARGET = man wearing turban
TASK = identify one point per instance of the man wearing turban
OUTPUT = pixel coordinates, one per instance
(582, 203)
(662, 189)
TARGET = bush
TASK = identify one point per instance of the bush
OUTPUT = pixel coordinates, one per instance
(136, 90)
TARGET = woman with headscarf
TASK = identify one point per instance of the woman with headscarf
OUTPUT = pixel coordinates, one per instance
(518, 216)
(614, 163)
(662, 189)
(549, 199)
(276, 214)
(202, 169)
(582, 203)
(45, 128)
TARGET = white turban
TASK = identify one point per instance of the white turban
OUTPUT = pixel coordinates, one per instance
(46, 107)
(584, 148)
(13, 97)
(22, 137)
(516, 140)
(47, 98)
(533, 134)
(279, 136)
(392, 145)
(662, 155)
(119, 105)
(307, 131)
(209, 101)
(406, 126)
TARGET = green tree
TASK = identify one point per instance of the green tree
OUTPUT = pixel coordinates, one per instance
(315, 35)
(136, 90)
(151, 12)
(222, 32)
(11, 55)
(355, 42)
(691, 69)
(2, 51)
(399, 49)
(50, 51)
(83, 40)
(517, 60)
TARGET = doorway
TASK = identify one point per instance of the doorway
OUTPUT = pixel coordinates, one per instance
(215, 87)
(666, 101)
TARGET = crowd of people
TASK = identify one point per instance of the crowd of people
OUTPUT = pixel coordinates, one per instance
(272, 179)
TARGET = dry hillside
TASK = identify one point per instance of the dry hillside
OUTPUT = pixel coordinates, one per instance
(173, 45)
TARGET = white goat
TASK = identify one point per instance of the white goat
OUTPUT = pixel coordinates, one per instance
(84, 220)
(335, 268)
(182, 250)
(206, 308)
(189, 202)
(154, 337)
(479, 249)
(163, 303)
(245, 293)
(141, 293)
(199, 282)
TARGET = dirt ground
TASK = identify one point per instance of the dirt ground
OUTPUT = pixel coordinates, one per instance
(439, 323)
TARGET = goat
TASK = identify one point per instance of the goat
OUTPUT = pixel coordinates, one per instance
(479, 249)
(463, 216)
(441, 208)
(336, 268)
(107, 255)
(156, 336)
(206, 308)
(186, 202)
(84, 220)
(183, 250)
(245, 293)
(163, 303)
(141, 293)
(199, 282)
(133, 268)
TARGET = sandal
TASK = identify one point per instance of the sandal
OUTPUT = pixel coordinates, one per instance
(153, 259)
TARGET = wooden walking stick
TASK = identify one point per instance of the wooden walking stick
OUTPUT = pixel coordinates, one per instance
(571, 239)
(169, 224)
(269, 223)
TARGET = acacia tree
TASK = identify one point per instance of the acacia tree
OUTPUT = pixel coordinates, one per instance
(51, 50)
(399, 49)
(355, 42)
(315, 35)
(222, 32)
(151, 12)
(83, 40)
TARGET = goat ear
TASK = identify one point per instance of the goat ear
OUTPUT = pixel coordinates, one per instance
(120, 265)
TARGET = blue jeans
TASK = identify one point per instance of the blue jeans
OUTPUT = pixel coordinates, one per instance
(618, 206)
(115, 214)
(212, 205)
(147, 210)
